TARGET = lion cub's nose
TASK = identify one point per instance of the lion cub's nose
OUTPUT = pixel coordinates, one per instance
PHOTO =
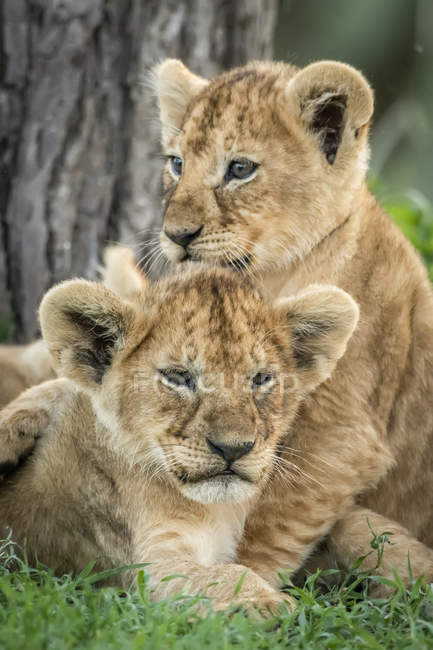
(230, 453)
(183, 237)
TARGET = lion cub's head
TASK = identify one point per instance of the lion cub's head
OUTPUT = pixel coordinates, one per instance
(263, 162)
(198, 379)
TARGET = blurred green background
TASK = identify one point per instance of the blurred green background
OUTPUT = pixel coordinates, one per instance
(391, 41)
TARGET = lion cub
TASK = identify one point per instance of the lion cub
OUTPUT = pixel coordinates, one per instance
(265, 173)
(168, 423)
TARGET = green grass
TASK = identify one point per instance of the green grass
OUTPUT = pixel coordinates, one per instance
(38, 610)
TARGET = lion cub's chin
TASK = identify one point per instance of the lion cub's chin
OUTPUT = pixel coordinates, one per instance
(220, 489)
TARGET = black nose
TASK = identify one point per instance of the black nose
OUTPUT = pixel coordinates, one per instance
(230, 453)
(183, 237)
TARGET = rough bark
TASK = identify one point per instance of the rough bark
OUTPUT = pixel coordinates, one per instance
(79, 150)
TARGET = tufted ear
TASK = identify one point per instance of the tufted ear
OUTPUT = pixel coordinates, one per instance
(85, 326)
(335, 103)
(175, 87)
(322, 320)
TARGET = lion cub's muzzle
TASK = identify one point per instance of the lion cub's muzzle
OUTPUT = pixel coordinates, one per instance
(183, 237)
(184, 245)
(229, 452)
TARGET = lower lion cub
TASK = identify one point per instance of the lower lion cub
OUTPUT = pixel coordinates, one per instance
(167, 425)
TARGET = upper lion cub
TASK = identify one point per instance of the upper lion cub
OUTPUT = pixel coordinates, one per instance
(168, 425)
(265, 173)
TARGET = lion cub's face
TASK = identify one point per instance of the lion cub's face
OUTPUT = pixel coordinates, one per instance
(262, 162)
(199, 381)
(214, 386)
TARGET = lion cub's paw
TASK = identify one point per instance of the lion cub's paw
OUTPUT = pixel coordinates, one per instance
(269, 605)
(264, 604)
(19, 431)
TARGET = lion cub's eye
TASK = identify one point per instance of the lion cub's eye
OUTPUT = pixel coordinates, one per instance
(176, 164)
(240, 169)
(262, 379)
(178, 378)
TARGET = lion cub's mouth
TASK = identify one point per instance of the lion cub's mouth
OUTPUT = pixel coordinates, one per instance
(227, 474)
(226, 485)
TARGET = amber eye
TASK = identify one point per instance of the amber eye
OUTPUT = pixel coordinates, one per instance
(178, 378)
(262, 379)
(176, 165)
(240, 169)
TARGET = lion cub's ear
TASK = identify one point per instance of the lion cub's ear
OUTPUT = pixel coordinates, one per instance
(335, 103)
(322, 320)
(85, 325)
(175, 87)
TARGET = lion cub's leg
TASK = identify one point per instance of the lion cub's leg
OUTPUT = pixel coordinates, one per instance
(219, 582)
(351, 539)
(24, 420)
(223, 584)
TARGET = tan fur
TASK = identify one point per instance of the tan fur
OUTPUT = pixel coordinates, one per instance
(120, 272)
(304, 216)
(22, 366)
(130, 469)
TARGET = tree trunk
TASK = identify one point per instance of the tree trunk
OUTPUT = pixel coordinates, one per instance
(79, 149)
